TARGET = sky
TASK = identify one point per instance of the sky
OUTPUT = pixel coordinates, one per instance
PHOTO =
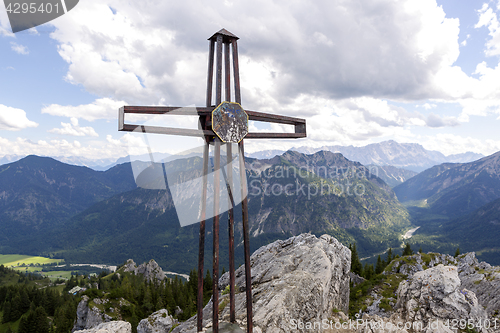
(359, 72)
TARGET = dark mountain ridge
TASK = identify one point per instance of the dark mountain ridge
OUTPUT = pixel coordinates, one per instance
(454, 189)
(37, 193)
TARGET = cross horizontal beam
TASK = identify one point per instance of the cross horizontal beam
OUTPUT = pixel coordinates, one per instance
(300, 124)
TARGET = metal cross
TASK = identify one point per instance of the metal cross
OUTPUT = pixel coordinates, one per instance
(222, 123)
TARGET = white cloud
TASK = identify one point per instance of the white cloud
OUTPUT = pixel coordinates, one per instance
(455, 144)
(339, 64)
(103, 108)
(488, 18)
(12, 119)
(428, 106)
(73, 129)
(143, 53)
(23, 146)
(21, 49)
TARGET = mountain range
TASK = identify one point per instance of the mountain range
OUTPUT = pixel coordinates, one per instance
(49, 207)
(411, 156)
(83, 215)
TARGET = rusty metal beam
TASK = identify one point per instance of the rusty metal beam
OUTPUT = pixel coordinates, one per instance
(229, 185)
(218, 72)
(246, 237)
(203, 133)
(227, 72)
(167, 130)
(273, 118)
(210, 76)
(262, 135)
(215, 268)
(201, 247)
(205, 111)
(236, 71)
(173, 110)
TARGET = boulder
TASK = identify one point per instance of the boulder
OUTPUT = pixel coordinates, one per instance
(158, 322)
(151, 270)
(434, 296)
(301, 278)
(87, 317)
(111, 327)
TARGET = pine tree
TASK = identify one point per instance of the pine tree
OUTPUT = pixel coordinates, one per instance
(457, 252)
(379, 268)
(389, 256)
(356, 266)
(207, 282)
(40, 321)
(368, 271)
(407, 250)
(6, 312)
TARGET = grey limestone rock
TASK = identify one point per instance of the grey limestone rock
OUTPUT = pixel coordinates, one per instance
(483, 279)
(130, 266)
(435, 295)
(356, 279)
(87, 317)
(111, 327)
(303, 277)
(158, 322)
(409, 269)
(151, 270)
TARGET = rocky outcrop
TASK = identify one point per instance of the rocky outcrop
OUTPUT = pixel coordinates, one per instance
(356, 279)
(483, 279)
(151, 270)
(88, 316)
(435, 295)
(158, 322)
(303, 277)
(111, 327)
(129, 266)
(409, 266)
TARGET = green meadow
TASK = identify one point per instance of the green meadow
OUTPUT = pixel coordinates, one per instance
(13, 260)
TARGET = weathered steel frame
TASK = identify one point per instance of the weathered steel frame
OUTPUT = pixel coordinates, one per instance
(221, 39)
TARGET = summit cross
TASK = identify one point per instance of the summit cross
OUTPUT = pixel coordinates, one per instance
(222, 123)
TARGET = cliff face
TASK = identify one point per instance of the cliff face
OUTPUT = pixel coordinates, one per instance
(302, 277)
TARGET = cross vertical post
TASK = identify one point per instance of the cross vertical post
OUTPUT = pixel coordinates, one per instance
(215, 269)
